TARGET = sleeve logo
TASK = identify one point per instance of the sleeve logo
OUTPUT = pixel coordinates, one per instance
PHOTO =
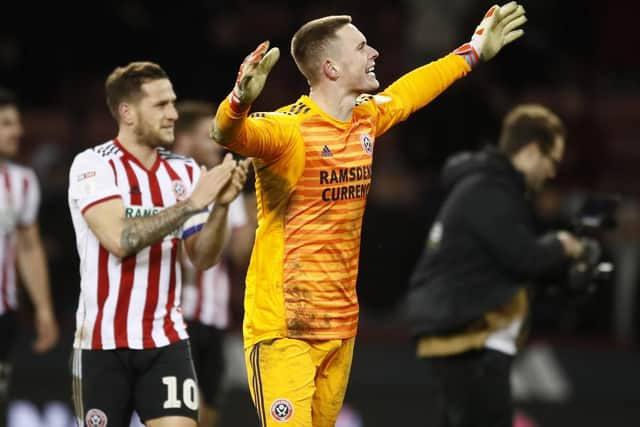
(85, 175)
(367, 143)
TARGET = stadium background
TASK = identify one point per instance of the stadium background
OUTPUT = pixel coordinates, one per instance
(579, 59)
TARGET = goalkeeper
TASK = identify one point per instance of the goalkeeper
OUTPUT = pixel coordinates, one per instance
(313, 173)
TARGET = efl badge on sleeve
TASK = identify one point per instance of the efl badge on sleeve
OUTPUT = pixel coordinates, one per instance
(87, 182)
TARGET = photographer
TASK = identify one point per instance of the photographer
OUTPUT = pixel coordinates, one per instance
(468, 298)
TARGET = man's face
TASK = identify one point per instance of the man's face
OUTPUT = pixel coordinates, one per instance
(543, 167)
(197, 143)
(10, 131)
(355, 60)
(155, 113)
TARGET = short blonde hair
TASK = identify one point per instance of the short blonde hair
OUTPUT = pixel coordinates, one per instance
(310, 42)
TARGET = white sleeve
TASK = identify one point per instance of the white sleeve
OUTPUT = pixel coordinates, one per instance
(237, 213)
(197, 221)
(91, 181)
(29, 212)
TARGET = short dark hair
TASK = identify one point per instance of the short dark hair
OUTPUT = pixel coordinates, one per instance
(311, 40)
(530, 123)
(191, 112)
(125, 83)
(7, 98)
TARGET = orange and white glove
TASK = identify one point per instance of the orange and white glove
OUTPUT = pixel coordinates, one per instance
(500, 26)
(252, 76)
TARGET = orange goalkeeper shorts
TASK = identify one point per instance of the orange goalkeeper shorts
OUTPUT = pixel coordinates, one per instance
(299, 383)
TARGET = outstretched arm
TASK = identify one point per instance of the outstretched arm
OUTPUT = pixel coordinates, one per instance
(252, 76)
(499, 27)
(265, 136)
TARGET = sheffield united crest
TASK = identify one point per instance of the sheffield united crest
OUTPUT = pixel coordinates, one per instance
(96, 418)
(281, 410)
(179, 189)
(367, 143)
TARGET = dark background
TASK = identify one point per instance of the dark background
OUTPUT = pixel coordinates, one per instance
(578, 58)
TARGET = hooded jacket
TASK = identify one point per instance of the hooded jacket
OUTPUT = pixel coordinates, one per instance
(482, 248)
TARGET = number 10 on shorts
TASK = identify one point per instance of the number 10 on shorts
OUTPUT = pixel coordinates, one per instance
(189, 393)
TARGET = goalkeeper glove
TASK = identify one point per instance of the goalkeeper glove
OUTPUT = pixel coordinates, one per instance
(499, 27)
(252, 76)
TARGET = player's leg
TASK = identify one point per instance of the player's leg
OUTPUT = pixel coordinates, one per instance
(102, 384)
(198, 346)
(281, 376)
(210, 371)
(331, 380)
(209, 414)
(171, 421)
(166, 391)
(474, 388)
(7, 337)
(497, 383)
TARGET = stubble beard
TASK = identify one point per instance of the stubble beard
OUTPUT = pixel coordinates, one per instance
(148, 137)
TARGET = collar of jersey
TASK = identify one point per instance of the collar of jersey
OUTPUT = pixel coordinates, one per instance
(134, 159)
(317, 110)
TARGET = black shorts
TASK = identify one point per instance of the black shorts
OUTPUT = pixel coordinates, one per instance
(208, 358)
(108, 385)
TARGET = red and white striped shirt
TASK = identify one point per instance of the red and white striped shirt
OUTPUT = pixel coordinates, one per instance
(19, 203)
(207, 299)
(131, 302)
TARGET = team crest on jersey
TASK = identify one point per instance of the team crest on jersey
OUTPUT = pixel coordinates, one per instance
(179, 189)
(96, 418)
(367, 143)
(281, 410)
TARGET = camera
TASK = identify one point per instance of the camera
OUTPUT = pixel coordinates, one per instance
(596, 214)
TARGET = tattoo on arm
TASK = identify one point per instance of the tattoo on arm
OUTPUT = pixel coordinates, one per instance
(141, 232)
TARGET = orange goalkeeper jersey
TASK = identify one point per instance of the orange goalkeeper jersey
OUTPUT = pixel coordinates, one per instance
(313, 174)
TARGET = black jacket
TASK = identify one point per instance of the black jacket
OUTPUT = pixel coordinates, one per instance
(482, 247)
